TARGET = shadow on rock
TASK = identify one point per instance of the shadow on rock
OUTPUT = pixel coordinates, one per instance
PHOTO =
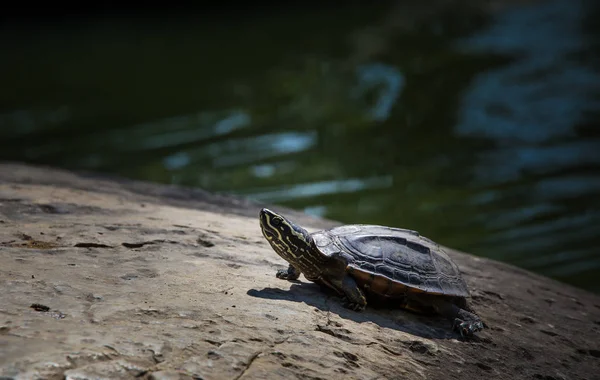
(388, 316)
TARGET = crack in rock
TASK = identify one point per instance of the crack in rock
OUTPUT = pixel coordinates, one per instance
(248, 364)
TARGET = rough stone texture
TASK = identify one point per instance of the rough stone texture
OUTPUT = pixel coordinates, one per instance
(136, 280)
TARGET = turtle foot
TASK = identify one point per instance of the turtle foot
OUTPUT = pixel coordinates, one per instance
(467, 328)
(352, 305)
(283, 274)
(289, 274)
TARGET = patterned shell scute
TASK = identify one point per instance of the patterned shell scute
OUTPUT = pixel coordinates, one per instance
(400, 255)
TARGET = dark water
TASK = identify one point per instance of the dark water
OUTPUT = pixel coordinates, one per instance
(476, 126)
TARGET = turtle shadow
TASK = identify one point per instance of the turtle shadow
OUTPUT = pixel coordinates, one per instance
(383, 315)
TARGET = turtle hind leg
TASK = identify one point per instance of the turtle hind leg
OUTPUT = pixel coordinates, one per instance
(291, 273)
(463, 321)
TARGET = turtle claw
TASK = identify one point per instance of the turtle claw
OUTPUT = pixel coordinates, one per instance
(282, 274)
(290, 274)
(286, 274)
(467, 328)
(352, 305)
(358, 307)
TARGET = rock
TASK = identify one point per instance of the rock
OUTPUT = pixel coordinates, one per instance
(113, 369)
(149, 293)
(170, 375)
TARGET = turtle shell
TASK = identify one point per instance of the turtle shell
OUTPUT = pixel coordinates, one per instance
(393, 262)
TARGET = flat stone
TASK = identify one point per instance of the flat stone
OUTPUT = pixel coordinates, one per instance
(163, 308)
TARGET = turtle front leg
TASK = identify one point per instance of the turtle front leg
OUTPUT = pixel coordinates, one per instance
(335, 275)
(354, 298)
(291, 273)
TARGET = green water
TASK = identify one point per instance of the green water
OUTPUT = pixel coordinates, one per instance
(475, 126)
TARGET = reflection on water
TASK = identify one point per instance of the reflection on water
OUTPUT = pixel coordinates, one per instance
(531, 110)
(472, 125)
(307, 190)
(387, 77)
(175, 131)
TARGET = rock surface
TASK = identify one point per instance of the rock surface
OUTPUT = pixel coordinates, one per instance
(111, 279)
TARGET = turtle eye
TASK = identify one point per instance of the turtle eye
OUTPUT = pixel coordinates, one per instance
(276, 221)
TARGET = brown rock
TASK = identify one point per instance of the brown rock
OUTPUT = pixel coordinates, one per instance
(149, 293)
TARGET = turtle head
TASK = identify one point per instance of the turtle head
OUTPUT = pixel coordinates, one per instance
(287, 239)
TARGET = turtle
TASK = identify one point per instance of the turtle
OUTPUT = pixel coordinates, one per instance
(387, 263)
